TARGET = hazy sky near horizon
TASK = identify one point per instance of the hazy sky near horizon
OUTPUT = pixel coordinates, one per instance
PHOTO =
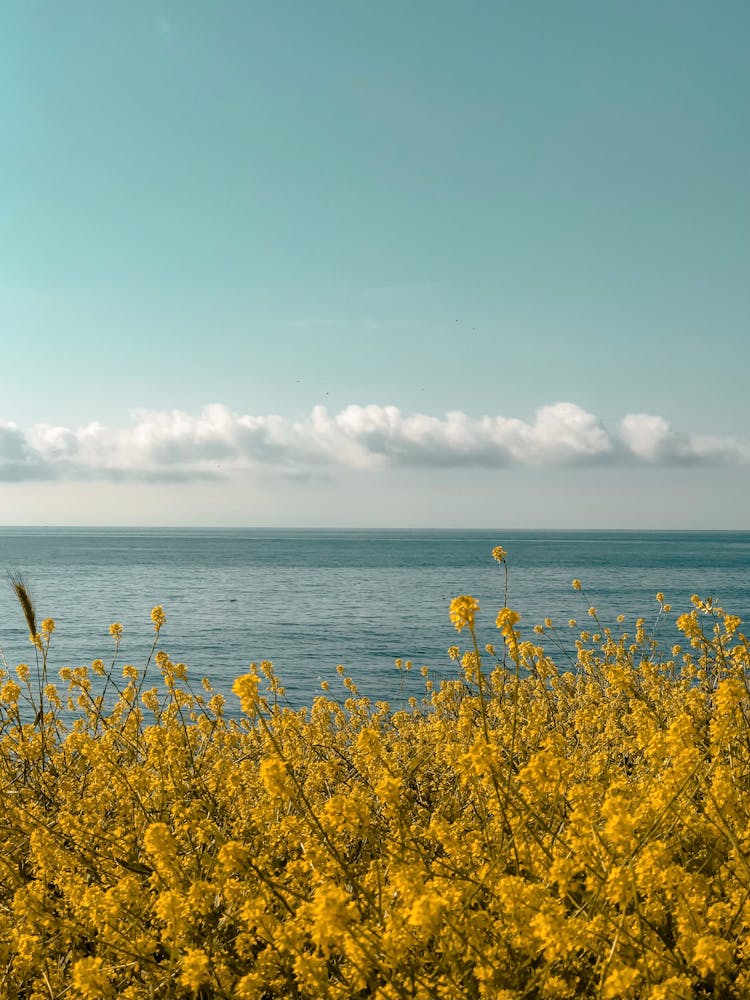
(375, 264)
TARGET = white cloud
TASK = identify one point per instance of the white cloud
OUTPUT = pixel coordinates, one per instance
(19, 460)
(650, 438)
(174, 445)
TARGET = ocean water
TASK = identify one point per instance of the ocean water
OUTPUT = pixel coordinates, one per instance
(309, 600)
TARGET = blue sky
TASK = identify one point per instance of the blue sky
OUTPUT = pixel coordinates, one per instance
(375, 263)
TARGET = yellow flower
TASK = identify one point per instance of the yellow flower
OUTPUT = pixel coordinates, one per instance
(426, 911)
(576, 584)
(90, 980)
(389, 789)
(712, 955)
(48, 627)
(157, 839)
(619, 982)
(471, 664)
(275, 776)
(688, 623)
(195, 971)
(462, 611)
(332, 915)
(354, 849)
(499, 554)
(10, 693)
(171, 908)
(731, 624)
(233, 856)
(158, 617)
(506, 619)
(115, 629)
(246, 689)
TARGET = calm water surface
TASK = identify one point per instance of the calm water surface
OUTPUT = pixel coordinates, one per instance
(309, 600)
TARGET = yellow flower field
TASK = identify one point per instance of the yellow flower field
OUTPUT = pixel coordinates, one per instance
(541, 826)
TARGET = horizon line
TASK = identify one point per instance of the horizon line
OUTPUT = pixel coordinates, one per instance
(341, 528)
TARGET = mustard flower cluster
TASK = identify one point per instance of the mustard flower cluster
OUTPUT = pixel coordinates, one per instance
(527, 830)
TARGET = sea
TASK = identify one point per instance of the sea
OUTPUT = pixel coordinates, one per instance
(311, 600)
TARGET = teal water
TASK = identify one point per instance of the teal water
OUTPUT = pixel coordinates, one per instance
(309, 600)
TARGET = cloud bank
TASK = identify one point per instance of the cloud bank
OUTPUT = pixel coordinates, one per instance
(177, 446)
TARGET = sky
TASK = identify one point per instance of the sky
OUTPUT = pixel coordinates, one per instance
(349, 264)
